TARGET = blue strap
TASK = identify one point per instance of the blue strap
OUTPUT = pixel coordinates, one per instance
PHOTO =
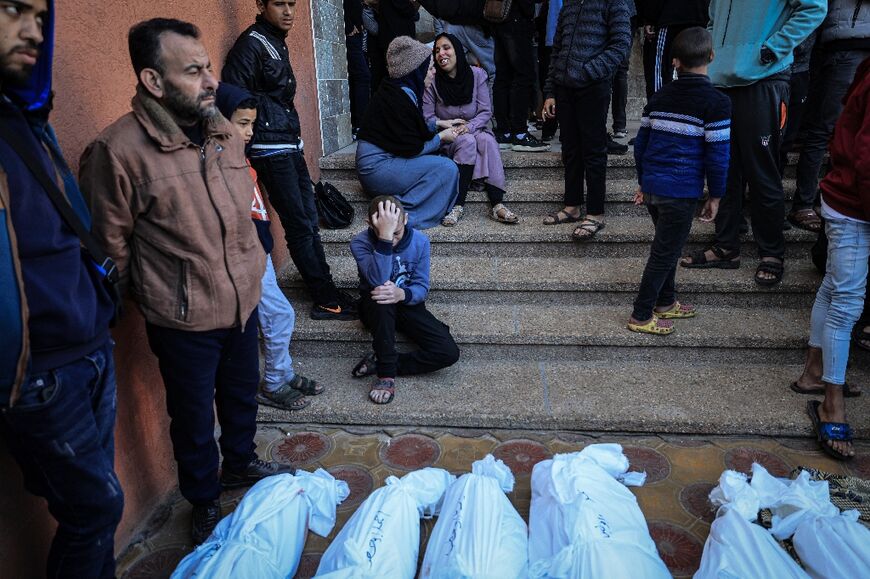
(835, 431)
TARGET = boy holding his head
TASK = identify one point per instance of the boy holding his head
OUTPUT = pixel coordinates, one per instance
(684, 137)
(393, 264)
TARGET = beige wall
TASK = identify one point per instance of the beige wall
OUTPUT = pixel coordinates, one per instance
(94, 83)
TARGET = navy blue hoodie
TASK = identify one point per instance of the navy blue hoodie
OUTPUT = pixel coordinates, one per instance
(69, 311)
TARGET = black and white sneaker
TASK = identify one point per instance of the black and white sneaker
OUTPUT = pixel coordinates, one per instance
(528, 144)
(504, 140)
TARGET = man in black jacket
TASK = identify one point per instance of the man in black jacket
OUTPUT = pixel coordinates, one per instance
(259, 62)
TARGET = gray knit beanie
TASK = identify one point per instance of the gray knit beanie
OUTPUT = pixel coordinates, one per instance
(404, 55)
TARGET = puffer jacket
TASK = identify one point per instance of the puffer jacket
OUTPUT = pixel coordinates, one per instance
(592, 39)
(259, 62)
(848, 21)
(14, 342)
(176, 217)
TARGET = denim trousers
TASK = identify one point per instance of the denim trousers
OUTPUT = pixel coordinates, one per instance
(672, 217)
(288, 185)
(202, 371)
(840, 298)
(277, 320)
(61, 433)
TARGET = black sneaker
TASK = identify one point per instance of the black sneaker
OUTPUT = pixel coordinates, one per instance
(341, 310)
(256, 471)
(614, 148)
(205, 518)
(528, 144)
(504, 140)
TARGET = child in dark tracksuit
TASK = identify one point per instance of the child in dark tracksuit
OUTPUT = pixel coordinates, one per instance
(684, 136)
(393, 265)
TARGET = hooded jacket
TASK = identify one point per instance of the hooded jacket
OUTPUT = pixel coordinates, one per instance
(847, 25)
(740, 28)
(176, 217)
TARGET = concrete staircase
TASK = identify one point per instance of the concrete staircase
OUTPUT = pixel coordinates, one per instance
(541, 324)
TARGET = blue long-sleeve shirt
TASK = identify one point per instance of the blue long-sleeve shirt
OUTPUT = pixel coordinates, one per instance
(406, 264)
(685, 136)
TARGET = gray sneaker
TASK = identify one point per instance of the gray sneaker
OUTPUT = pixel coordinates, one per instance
(285, 398)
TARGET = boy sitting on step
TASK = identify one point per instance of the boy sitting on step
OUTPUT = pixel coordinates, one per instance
(393, 264)
(684, 136)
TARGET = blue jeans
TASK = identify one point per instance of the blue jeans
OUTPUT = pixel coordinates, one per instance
(840, 298)
(277, 319)
(61, 433)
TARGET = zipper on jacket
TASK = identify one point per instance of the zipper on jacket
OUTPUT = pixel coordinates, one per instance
(727, 22)
(855, 13)
(183, 301)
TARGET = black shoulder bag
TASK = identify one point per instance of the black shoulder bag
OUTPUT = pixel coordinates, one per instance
(102, 263)
(334, 210)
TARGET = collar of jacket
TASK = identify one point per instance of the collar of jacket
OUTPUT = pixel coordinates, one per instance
(161, 127)
(271, 28)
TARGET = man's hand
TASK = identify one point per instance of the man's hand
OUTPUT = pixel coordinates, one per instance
(638, 197)
(549, 111)
(386, 220)
(710, 210)
(389, 293)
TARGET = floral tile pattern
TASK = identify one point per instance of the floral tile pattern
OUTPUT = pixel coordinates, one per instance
(681, 471)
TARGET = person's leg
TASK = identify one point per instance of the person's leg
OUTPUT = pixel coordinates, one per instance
(359, 77)
(61, 433)
(569, 115)
(381, 321)
(521, 54)
(464, 153)
(798, 87)
(188, 363)
(437, 347)
(824, 105)
(649, 63)
(680, 213)
(501, 89)
(592, 103)
(619, 96)
(277, 319)
(659, 63)
(730, 215)
(288, 186)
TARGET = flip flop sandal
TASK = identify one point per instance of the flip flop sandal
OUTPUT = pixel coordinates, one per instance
(859, 336)
(678, 312)
(306, 386)
(366, 367)
(806, 219)
(847, 390)
(507, 216)
(385, 386)
(775, 268)
(292, 402)
(655, 326)
(725, 259)
(558, 219)
(589, 227)
(825, 431)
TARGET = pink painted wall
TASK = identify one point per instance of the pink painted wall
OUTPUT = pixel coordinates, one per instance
(94, 83)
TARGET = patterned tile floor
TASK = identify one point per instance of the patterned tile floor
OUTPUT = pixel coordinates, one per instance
(681, 472)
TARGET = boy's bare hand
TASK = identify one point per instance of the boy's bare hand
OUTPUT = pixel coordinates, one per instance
(638, 197)
(710, 210)
(389, 293)
(386, 220)
(549, 111)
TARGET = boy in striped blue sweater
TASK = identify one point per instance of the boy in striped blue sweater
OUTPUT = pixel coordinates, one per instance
(684, 138)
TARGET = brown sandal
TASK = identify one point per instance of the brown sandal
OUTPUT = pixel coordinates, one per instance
(556, 218)
(587, 230)
(806, 219)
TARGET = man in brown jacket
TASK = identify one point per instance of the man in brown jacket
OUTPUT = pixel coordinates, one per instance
(170, 194)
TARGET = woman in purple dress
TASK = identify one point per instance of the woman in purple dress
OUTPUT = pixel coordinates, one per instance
(460, 95)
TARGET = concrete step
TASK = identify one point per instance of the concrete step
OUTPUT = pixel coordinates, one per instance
(624, 236)
(502, 392)
(575, 282)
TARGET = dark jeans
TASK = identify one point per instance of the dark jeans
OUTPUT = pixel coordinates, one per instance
(61, 433)
(202, 370)
(672, 217)
(288, 186)
(515, 75)
(437, 348)
(359, 77)
(757, 122)
(582, 115)
(797, 97)
(830, 79)
(619, 93)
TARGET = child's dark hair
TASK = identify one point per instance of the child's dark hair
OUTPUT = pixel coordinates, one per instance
(373, 206)
(693, 47)
(249, 103)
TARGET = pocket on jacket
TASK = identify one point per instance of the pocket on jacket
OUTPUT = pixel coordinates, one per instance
(163, 286)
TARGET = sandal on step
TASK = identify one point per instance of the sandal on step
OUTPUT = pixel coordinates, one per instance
(587, 230)
(806, 219)
(829, 431)
(724, 259)
(453, 217)
(559, 217)
(366, 367)
(502, 214)
(847, 390)
(655, 326)
(306, 386)
(678, 312)
(383, 385)
(861, 337)
(774, 268)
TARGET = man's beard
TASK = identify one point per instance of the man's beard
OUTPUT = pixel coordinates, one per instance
(185, 108)
(13, 76)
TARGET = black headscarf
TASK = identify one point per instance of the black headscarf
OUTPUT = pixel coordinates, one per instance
(414, 80)
(459, 90)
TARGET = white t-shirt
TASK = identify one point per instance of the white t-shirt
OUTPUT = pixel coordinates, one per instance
(829, 213)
